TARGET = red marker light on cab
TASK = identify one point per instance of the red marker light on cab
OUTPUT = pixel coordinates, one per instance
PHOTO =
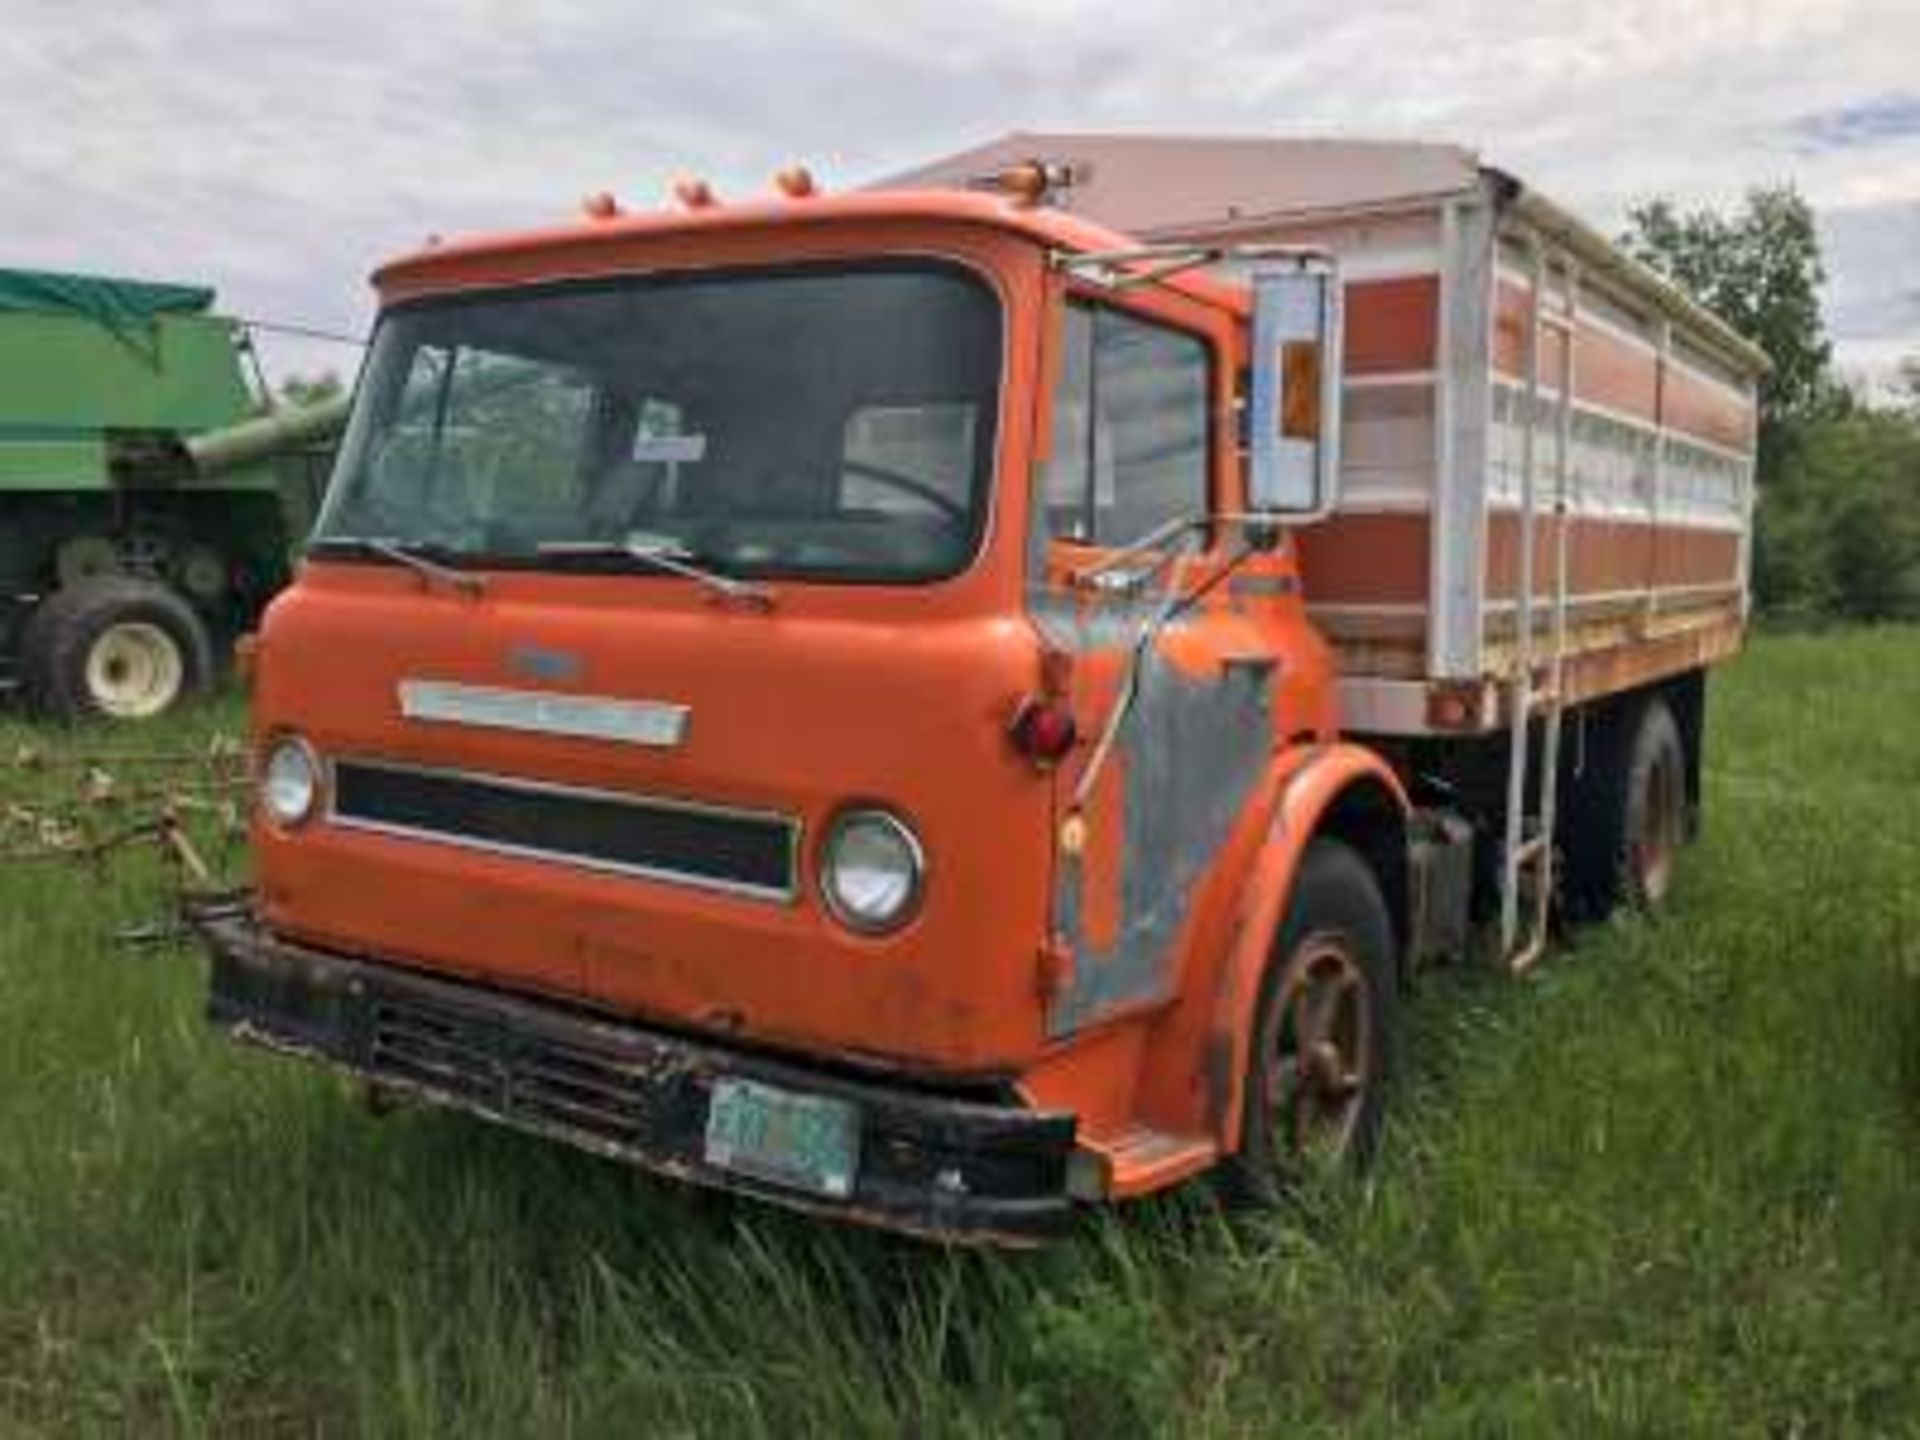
(1044, 731)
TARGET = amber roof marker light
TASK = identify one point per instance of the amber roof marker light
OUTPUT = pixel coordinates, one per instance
(690, 192)
(796, 182)
(1035, 182)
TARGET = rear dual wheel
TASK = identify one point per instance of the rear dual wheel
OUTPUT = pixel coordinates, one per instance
(1656, 825)
(1625, 818)
(114, 647)
(1323, 1033)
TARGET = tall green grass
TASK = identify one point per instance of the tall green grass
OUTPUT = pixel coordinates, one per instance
(1668, 1187)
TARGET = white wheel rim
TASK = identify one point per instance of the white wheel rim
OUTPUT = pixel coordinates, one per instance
(134, 670)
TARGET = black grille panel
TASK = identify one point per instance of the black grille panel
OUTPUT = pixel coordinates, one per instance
(533, 1080)
(651, 837)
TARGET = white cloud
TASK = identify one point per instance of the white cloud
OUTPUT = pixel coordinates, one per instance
(281, 153)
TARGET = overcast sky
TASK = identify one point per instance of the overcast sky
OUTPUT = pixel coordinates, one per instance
(280, 152)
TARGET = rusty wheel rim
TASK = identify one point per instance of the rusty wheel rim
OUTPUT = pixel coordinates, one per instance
(1319, 1053)
(1659, 840)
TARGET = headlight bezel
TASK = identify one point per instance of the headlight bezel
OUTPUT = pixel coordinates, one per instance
(897, 828)
(294, 747)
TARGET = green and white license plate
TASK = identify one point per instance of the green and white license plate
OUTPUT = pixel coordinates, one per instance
(808, 1142)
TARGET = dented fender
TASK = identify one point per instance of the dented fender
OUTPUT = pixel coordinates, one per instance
(1306, 784)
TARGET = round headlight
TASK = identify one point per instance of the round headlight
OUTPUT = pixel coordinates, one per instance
(871, 871)
(290, 782)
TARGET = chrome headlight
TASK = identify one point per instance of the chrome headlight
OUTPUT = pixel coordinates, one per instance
(290, 781)
(871, 871)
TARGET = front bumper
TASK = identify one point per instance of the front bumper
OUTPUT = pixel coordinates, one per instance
(930, 1165)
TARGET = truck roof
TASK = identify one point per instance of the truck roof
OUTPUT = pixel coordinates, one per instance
(588, 244)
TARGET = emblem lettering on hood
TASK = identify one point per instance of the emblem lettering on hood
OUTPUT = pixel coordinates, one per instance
(535, 662)
(656, 723)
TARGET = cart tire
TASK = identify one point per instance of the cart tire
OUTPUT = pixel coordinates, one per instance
(114, 647)
(1322, 1046)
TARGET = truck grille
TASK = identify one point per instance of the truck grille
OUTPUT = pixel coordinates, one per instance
(638, 835)
(534, 1079)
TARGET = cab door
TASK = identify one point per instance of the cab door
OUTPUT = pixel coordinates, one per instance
(1169, 651)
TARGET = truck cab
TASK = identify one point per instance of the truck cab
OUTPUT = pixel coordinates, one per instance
(810, 696)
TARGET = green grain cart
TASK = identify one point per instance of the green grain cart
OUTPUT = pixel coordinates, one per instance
(145, 512)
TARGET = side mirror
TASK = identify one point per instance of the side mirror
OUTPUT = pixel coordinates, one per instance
(1294, 429)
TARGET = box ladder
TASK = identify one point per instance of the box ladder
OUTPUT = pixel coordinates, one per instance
(1536, 681)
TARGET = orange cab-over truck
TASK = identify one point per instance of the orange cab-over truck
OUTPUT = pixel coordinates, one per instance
(927, 706)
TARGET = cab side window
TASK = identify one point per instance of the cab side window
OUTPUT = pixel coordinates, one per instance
(1129, 429)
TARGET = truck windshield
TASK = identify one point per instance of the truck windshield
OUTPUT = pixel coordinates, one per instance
(835, 424)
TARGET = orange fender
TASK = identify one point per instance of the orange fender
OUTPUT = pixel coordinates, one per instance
(1309, 781)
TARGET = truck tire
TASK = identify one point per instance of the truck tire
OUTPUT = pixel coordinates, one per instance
(1323, 1032)
(1626, 816)
(114, 647)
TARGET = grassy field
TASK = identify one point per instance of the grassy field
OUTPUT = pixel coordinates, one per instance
(1666, 1188)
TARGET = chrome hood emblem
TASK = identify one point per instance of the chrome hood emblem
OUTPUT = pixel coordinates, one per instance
(655, 723)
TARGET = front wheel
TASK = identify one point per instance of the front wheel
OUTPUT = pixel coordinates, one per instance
(1323, 1033)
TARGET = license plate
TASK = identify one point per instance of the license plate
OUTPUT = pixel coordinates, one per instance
(808, 1142)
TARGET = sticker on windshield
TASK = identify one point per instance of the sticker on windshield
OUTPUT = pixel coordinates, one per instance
(670, 449)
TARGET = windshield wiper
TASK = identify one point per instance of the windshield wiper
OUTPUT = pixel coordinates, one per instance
(412, 554)
(670, 556)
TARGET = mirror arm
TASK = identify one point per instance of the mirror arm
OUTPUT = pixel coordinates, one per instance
(1152, 541)
(1264, 531)
(1163, 261)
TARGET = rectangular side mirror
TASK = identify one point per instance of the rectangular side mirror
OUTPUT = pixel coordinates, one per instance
(1294, 430)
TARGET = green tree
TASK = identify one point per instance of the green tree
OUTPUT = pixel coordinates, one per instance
(1759, 269)
(1842, 541)
(310, 389)
(1837, 534)
(1864, 474)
